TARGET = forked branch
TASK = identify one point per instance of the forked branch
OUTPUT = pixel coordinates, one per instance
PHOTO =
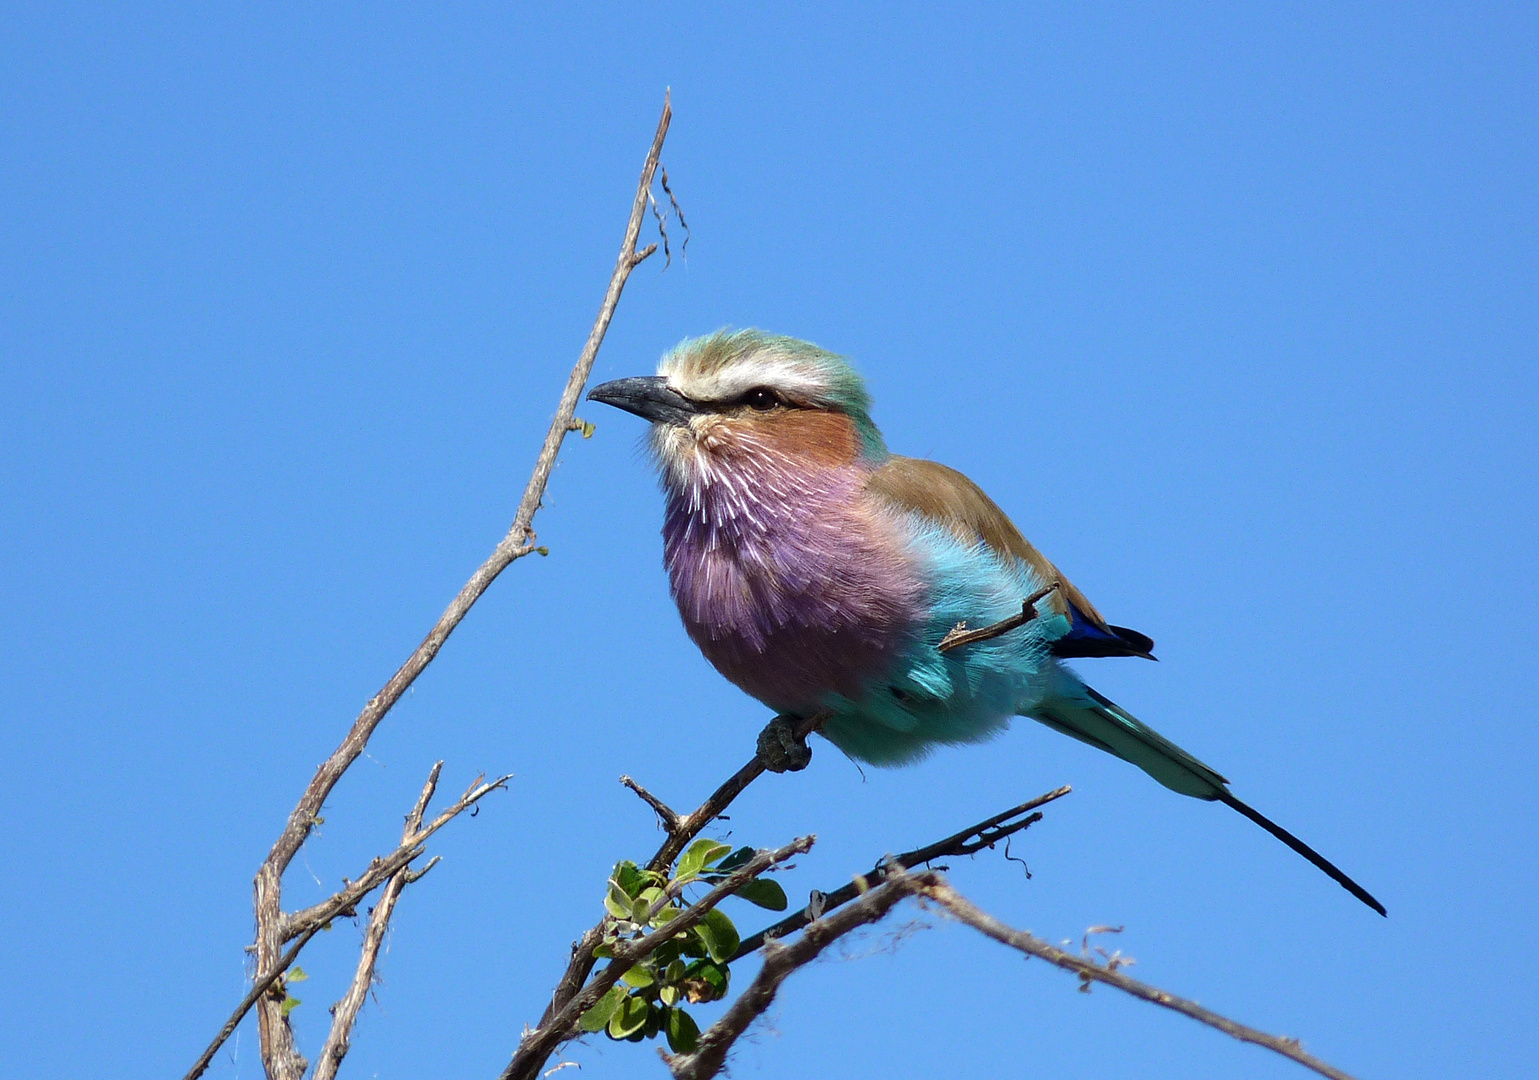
(274, 930)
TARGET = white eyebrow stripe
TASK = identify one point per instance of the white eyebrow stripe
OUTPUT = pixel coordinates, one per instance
(776, 372)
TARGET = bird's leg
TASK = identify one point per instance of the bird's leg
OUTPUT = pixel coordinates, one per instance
(782, 748)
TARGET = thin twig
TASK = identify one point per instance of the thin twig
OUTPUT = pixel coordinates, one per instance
(303, 926)
(960, 635)
(665, 814)
(535, 1048)
(959, 906)
(710, 1053)
(276, 1037)
(985, 834)
(382, 868)
(345, 1012)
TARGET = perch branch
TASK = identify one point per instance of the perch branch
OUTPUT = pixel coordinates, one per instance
(537, 1045)
(279, 1056)
(985, 834)
(685, 828)
(959, 906)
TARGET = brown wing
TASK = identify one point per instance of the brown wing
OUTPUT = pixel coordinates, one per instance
(950, 499)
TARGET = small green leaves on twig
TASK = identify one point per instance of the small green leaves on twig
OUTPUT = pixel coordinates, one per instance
(690, 968)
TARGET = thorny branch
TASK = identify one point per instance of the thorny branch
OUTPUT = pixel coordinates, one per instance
(279, 1056)
(985, 834)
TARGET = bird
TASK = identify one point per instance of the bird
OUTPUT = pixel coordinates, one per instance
(826, 576)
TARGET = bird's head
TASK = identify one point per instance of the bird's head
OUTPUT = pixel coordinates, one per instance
(750, 399)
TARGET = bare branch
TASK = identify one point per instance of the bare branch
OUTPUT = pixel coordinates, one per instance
(959, 906)
(345, 1012)
(304, 925)
(780, 961)
(691, 824)
(985, 834)
(665, 814)
(382, 868)
(279, 1056)
(537, 1045)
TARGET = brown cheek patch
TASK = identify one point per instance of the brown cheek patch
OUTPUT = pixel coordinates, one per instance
(820, 438)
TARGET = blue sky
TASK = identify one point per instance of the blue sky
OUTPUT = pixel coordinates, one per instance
(1234, 310)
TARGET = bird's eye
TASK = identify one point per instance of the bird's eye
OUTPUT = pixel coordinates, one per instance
(761, 398)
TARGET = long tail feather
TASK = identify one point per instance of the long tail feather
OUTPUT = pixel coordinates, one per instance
(1078, 711)
(1305, 850)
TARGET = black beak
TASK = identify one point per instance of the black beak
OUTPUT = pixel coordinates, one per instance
(649, 397)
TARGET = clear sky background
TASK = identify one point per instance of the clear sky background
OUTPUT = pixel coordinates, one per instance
(1234, 310)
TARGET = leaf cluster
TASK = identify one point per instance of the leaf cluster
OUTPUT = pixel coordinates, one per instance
(692, 966)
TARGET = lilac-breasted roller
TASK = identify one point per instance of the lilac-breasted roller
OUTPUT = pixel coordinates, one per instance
(820, 573)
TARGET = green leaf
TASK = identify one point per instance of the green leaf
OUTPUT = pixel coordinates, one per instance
(665, 915)
(596, 1018)
(736, 859)
(683, 1033)
(654, 1021)
(629, 877)
(290, 1003)
(638, 977)
(617, 901)
(643, 903)
(701, 853)
(674, 972)
(604, 952)
(669, 994)
(718, 935)
(765, 893)
(295, 974)
(629, 1018)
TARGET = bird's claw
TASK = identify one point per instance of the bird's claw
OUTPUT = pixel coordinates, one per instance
(781, 749)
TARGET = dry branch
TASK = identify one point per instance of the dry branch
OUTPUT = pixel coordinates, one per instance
(960, 635)
(303, 926)
(274, 929)
(345, 1012)
(780, 961)
(960, 907)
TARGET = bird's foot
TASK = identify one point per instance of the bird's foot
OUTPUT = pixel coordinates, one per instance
(781, 749)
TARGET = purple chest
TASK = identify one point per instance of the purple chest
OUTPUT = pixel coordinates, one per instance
(791, 587)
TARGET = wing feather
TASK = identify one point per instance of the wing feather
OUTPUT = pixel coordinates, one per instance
(951, 500)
